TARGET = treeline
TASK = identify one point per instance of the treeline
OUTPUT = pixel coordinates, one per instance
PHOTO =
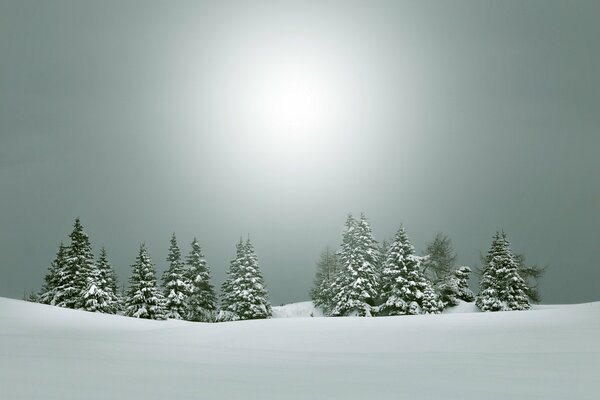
(364, 279)
(76, 280)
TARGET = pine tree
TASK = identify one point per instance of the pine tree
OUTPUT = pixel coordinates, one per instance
(52, 280)
(356, 285)
(455, 287)
(501, 287)
(72, 277)
(327, 268)
(404, 288)
(143, 297)
(228, 298)
(105, 297)
(176, 284)
(244, 292)
(202, 301)
(440, 258)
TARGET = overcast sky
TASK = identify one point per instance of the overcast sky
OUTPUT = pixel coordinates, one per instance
(276, 119)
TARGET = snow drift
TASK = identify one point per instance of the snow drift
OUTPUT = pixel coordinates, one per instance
(547, 353)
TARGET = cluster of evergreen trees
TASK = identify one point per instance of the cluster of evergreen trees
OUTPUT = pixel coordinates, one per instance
(76, 280)
(364, 279)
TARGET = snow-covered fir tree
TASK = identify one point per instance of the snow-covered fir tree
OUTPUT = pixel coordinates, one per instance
(49, 292)
(244, 292)
(404, 288)
(105, 297)
(440, 258)
(455, 287)
(327, 268)
(202, 301)
(355, 288)
(501, 287)
(144, 300)
(72, 280)
(227, 290)
(175, 283)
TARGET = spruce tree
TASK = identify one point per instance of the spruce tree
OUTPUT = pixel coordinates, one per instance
(175, 283)
(455, 287)
(244, 294)
(49, 293)
(72, 280)
(228, 298)
(144, 300)
(327, 268)
(106, 295)
(404, 288)
(202, 301)
(356, 285)
(501, 286)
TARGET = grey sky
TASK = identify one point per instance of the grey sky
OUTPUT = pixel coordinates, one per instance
(460, 117)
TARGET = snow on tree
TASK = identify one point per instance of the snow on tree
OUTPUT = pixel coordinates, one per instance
(356, 285)
(105, 297)
(144, 300)
(440, 258)
(52, 281)
(244, 292)
(202, 301)
(73, 273)
(175, 283)
(405, 290)
(327, 268)
(501, 286)
(455, 287)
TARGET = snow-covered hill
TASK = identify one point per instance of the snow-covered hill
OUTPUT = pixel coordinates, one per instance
(549, 353)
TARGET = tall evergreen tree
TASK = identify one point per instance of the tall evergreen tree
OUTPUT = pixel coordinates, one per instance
(78, 265)
(404, 288)
(144, 300)
(327, 268)
(440, 258)
(52, 281)
(176, 284)
(228, 298)
(501, 286)
(245, 295)
(202, 301)
(356, 285)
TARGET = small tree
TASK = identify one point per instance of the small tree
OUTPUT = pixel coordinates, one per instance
(404, 288)
(202, 301)
(327, 268)
(107, 284)
(501, 287)
(143, 298)
(52, 281)
(455, 287)
(440, 258)
(176, 284)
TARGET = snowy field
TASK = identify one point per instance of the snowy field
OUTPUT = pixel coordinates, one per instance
(552, 352)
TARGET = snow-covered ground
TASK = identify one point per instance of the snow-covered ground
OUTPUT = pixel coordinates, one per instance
(552, 352)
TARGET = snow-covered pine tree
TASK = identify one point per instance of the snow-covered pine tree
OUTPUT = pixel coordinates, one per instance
(175, 283)
(501, 287)
(202, 301)
(455, 287)
(327, 268)
(356, 285)
(246, 296)
(440, 258)
(404, 288)
(105, 297)
(48, 294)
(228, 298)
(79, 262)
(144, 300)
